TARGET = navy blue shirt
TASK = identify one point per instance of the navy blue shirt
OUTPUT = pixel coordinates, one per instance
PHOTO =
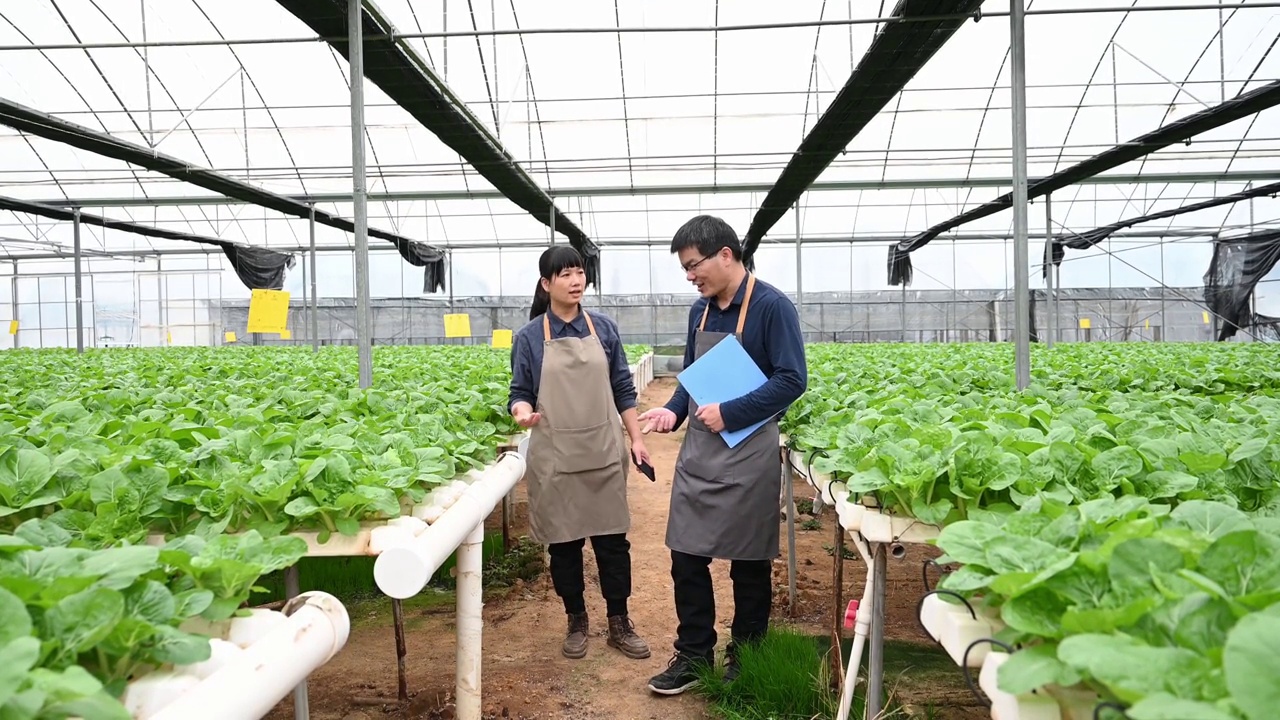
(526, 357)
(771, 336)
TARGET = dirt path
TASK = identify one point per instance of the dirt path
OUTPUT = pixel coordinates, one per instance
(524, 674)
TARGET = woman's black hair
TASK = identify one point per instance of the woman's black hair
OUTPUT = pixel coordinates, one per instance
(554, 260)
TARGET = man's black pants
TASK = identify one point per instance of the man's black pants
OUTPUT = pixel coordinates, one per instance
(696, 602)
(613, 560)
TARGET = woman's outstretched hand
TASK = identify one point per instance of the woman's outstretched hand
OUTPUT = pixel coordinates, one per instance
(524, 415)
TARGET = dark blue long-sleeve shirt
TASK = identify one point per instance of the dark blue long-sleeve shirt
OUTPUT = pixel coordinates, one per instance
(526, 357)
(772, 338)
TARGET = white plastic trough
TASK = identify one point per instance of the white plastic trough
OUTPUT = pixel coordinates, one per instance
(257, 661)
(1045, 703)
(956, 629)
(408, 560)
(879, 526)
(827, 493)
(642, 371)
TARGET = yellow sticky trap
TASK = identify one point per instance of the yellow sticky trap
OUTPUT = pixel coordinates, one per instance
(1147, 324)
(268, 311)
(286, 335)
(168, 338)
(1085, 323)
(457, 325)
(1206, 317)
(229, 337)
(501, 338)
(13, 327)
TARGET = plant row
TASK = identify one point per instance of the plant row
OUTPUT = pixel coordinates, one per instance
(116, 445)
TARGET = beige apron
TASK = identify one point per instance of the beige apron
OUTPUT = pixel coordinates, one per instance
(577, 460)
(724, 501)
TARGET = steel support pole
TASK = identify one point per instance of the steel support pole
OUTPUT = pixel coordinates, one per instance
(315, 296)
(75, 234)
(301, 701)
(789, 487)
(875, 639)
(1021, 256)
(1051, 270)
(799, 273)
(364, 329)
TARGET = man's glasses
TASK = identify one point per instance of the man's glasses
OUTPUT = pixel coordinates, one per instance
(694, 266)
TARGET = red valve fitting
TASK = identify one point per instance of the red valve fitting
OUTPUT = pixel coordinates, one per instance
(851, 614)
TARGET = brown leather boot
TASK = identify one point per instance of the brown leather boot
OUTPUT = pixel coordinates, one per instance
(622, 635)
(575, 642)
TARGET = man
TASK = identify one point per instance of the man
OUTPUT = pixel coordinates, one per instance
(724, 501)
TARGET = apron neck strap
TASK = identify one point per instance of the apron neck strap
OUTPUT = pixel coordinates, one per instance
(742, 315)
(546, 324)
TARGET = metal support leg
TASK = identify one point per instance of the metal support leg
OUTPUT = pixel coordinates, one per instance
(402, 681)
(75, 228)
(791, 536)
(875, 643)
(301, 702)
(837, 609)
(364, 329)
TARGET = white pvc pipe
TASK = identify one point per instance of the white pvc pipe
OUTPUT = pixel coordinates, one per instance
(469, 623)
(861, 629)
(269, 669)
(401, 572)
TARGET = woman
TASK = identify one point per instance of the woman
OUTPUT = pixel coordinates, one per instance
(569, 383)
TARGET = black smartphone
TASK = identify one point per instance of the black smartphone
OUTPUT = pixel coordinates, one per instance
(645, 468)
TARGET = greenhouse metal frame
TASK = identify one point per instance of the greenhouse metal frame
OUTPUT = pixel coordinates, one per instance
(853, 175)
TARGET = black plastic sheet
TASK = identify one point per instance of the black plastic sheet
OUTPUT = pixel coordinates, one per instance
(258, 268)
(424, 256)
(1237, 266)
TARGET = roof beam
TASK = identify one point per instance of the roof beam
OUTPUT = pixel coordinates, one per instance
(1182, 130)
(407, 79)
(1157, 237)
(1237, 176)
(40, 124)
(896, 54)
(258, 268)
(1056, 249)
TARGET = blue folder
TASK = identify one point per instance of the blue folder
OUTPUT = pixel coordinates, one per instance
(725, 372)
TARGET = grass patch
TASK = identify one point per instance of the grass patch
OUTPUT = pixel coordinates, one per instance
(782, 678)
(788, 677)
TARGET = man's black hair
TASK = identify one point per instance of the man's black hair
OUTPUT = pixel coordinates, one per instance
(708, 234)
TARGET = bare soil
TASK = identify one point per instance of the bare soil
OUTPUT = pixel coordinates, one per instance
(526, 677)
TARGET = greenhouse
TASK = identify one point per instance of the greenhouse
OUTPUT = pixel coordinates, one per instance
(267, 275)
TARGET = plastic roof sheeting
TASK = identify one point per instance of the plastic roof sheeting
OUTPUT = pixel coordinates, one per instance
(609, 109)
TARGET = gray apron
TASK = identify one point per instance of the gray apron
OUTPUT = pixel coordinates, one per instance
(577, 461)
(724, 501)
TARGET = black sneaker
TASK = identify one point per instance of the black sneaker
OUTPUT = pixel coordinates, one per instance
(731, 667)
(680, 675)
